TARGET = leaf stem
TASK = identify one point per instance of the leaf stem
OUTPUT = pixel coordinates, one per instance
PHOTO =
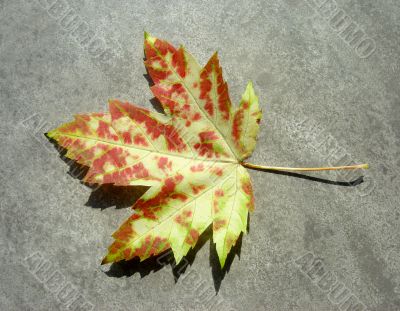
(303, 169)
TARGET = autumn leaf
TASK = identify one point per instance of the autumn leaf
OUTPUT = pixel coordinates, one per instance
(191, 156)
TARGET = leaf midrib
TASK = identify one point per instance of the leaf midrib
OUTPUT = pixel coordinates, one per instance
(177, 155)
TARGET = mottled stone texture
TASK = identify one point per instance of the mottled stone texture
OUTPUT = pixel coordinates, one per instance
(327, 74)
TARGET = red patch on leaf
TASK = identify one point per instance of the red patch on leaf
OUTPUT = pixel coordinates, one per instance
(192, 237)
(149, 212)
(197, 188)
(224, 103)
(206, 80)
(134, 217)
(215, 207)
(230, 242)
(115, 112)
(207, 136)
(196, 117)
(164, 47)
(142, 250)
(184, 219)
(124, 233)
(162, 162)
(115, 247)
(153, 127)
(179, 196)
(155, 246)
(124, 176)
(246, 186)
(166, 193)
(219, 193)
(149, 50)
(197, 168)
(205, 150)
(127, 137)
(139, 139)
(217, 171)
(205, 89)
(139, 171)
(157, 54)
(157, 74)
(104, 131)
(187, 213)
(112, 156)
(206, 147)
(127, 253)
(218, 224)
(69, 128)
(178, 61)
(237, 123)
(82, 125)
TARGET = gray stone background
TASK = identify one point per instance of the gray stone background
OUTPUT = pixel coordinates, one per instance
(327, 75)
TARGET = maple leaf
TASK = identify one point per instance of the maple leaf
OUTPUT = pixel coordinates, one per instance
(191, 156)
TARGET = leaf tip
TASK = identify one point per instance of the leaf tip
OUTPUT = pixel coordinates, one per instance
(105, 261)
(222, 261)
(112, 102)
(149, 38)
(249, 94)
(178, 257)
(51, 134)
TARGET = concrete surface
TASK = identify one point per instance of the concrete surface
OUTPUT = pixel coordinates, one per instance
(325, 101)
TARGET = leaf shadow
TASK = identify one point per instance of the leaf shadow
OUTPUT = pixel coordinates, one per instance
(352, 183)
(107, 195)
(219, 273)
(155, 263)
(153, 101)
(76, 170)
